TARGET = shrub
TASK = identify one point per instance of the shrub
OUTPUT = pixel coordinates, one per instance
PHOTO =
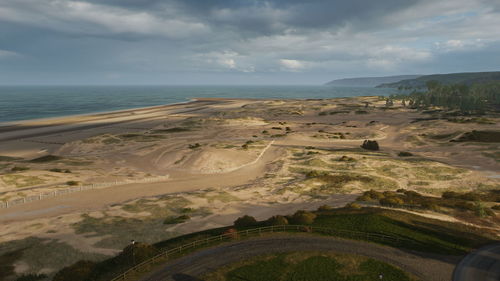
(496, 207)
(391, 201)
(346, 159)
(176, 220)
(245, 221)
(72, 183)
(277, 220)
(265, 132)
(405, 154)
(401, 190)
(46, 158)
(19, 169)
(370, 145)
(450, 194)
(194, 146)
(303, 217)
(324, 208)
(354, 206)
(430, 206)
(137, 253)
(78, 271)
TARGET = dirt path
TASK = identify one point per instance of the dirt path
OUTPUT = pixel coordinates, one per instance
(99, 198)
(428, 267)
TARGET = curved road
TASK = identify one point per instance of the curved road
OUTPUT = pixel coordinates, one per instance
(188, 268)
(482, 265)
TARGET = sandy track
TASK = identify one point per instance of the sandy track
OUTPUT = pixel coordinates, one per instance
(100, 198)
(428, 267)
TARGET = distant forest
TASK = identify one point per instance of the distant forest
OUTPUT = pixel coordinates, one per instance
(474, 99)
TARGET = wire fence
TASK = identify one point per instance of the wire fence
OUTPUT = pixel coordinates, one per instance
(58, 192)
(136, 271)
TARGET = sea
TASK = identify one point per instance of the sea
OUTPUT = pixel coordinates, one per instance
(34, 102)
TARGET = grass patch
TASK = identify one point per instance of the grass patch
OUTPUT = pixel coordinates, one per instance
(55, 255)
(479, 136)
(45, 159)
(171, 130)
(308, 266)
(22, 180)
(9, 158)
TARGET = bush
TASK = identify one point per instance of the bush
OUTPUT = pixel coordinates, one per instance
(137, 253)
(346, 159)
(194, 146)
(245, 221)
(430, 206)
(324, 208)
(277, 220)
(370, 145)
(46, 158)
(19, 169)
(354, 206)
(450, 194)
(78, 271)
(405, 154)
(391, 201)
(496, 207)
(176, 220)
(72, 183)
(303, 217)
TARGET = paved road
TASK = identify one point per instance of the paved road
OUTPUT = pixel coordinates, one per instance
(481, 265)
(427, 267)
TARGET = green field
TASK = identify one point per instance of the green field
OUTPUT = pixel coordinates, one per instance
(303, 266)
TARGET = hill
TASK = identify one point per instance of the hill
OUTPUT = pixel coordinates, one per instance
(467, 78)
(369, 81)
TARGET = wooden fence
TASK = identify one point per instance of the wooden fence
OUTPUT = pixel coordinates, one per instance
(136, 271)
(58, 192)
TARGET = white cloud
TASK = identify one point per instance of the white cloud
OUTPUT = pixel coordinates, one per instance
(459, 45)
(8, 54)
(292, 65)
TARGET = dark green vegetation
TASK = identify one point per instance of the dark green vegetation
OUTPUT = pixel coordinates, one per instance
(450, 201)
(171, 130)
(312, 267)
(479, 136)
(370, 145)
(176, 220)
(414, 232)
(474, 99)
(405, 154)
(57, 170)
(19, 169)
(446, 79)
(45, 159)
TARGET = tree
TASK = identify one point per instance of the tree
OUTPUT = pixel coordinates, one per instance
(303, 217)
(245, 221)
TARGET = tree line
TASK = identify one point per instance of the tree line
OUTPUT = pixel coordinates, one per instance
(474, 99)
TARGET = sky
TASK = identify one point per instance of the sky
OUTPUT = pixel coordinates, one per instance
(283, 42)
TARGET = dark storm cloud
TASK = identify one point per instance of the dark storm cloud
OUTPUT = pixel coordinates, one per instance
(158, 41)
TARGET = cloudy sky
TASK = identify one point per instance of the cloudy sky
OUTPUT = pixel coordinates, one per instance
(242, 42)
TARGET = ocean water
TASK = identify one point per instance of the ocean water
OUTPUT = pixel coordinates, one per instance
(32, 102)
